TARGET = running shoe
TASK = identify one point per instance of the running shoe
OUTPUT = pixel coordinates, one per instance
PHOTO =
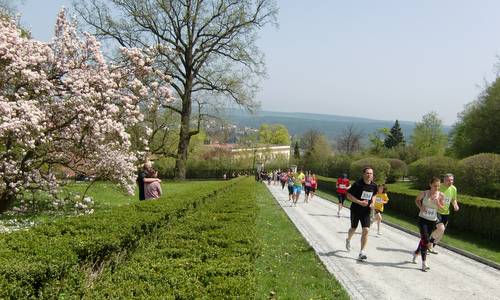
(432, 250)
(348, 245)
(414, 259)
(362, 256)
(379, 233)
(425, 267)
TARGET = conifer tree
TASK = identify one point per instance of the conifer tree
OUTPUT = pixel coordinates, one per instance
(395, 138)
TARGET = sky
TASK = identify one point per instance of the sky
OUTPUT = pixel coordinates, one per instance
(385, 59)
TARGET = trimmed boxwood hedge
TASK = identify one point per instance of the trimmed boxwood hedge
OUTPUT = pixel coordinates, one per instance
(476, 215)
(426, 168)
(381, 168)
(37, 261)
(208, 254)
(483, 170)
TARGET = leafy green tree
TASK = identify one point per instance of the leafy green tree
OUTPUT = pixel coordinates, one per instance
(395, 137)
(477, 128)
(207, 47)
(377, 139)
(428, 136)
(316, 149)
(276, 134)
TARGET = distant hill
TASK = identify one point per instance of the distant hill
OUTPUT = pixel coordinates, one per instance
(331, 125)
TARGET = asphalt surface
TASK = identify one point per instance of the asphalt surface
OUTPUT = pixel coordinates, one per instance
(388, 273)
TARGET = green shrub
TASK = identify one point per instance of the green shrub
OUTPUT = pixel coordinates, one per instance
(398, 170)
(35, 262)
(426, 168)
(476, 215)
(381, 168)
(479, 175)
(336, 165)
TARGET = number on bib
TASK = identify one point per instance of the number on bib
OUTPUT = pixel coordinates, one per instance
(430, 213)
(366, 195)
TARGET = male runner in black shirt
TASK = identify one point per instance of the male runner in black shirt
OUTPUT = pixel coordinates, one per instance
(362, 194)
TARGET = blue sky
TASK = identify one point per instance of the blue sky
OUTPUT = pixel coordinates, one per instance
(376, 59)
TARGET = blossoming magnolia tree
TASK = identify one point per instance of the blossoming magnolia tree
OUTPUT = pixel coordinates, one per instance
(62, 104)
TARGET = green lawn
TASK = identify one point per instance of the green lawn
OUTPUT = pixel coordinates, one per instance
(288, 268)
(479, 246)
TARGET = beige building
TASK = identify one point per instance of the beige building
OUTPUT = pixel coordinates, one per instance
(265, 153)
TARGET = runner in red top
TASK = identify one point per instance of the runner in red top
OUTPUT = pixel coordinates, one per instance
(314, 185)
(342, 186)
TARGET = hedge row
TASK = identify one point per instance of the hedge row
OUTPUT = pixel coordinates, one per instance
(477, 175)
(210, 255)
(476, 215)
(34, 263)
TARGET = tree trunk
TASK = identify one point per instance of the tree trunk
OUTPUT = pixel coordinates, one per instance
(184, 135)
(5, 201)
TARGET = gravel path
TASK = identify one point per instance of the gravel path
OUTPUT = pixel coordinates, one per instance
(388, 273)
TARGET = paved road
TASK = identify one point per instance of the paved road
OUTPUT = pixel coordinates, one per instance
(388, 273)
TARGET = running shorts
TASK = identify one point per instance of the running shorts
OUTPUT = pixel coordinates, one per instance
(297, 189)
(442, 219)
(341, 197)
(360, 216)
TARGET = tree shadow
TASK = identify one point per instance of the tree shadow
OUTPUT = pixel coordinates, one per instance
(322, 215)
(397, 265)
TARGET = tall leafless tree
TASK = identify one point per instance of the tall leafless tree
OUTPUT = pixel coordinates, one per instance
(349, 141)
(206, 46)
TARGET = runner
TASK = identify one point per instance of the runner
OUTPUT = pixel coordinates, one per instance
(362, 194)
(314, 185)
(342, 187)
(428, 202)
(290, 185)
(450, 194)
(380, 199)
(307, 186)
(298, 180)
(283, 179)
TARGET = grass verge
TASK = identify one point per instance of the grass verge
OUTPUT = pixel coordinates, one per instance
(287, 267)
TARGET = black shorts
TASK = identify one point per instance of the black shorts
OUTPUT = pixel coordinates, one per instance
(341, 197)
(442, 219)
(362, 216)
(290, 190)
(378, 211)
(307, 189)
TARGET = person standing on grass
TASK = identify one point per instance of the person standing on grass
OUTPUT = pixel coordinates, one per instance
(380, 199)
(450, 197)
(152, 190)
(143, 179)
(362, 195)
(342, 186)
(428, 203)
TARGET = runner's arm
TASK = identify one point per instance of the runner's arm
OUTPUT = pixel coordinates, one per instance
(418, 200)
(455, 204)
(356, 200)
(440, 201)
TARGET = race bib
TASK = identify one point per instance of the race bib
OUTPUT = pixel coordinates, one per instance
(366, 195)
(447, 201)
(342, 186)
(430, 213)
(379, 200)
